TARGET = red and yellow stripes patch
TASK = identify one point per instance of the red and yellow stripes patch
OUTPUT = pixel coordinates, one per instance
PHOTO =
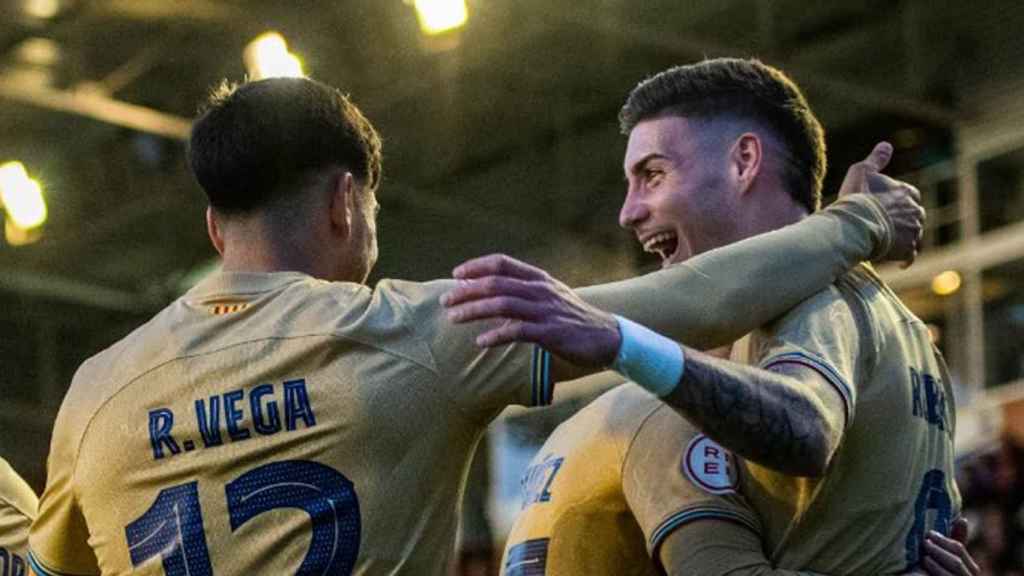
(221, 309)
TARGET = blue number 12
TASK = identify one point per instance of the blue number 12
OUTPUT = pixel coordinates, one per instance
(172, 528)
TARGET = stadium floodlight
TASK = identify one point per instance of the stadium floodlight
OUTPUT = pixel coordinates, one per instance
(946, 283)
(22, 196)
(440, 16)
(17, 236)
(267, 56)
(42, 9)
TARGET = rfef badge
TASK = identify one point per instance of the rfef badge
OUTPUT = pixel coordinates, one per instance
(710, 466)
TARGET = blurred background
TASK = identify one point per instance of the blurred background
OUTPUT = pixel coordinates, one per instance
(499, 120)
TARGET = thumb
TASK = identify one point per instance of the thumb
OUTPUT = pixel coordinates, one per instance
(960, 530)
(879, 157)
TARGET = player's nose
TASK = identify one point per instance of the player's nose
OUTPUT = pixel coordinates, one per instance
(633, 212)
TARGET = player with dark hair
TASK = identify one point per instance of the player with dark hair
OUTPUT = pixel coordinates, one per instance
(721, 151)
(284, 418)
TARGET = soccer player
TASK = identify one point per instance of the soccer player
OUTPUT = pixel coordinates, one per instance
(720, 151)
(282, 417)
(17, 509)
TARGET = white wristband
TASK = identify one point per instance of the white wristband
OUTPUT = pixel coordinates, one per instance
(648, 358)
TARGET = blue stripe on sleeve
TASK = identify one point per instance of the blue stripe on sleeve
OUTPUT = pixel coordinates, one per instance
(41, 570)
(541, 377)
(694, 514)
(827, 371)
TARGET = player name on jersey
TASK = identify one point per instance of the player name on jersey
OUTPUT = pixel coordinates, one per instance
(929, 400)
(536, 481)
(235, 416)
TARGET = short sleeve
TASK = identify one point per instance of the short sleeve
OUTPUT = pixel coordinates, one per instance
(823, 335)
(59, 539)
(480, 380)
(673, 475)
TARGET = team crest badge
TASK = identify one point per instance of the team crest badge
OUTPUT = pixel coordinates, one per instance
(710, 466)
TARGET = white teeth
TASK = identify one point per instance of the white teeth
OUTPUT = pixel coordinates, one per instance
(650, 243)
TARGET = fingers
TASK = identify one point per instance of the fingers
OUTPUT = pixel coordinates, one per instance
(510, 332)
(933, 568)
(879, 157)
(864, 175)
(914, 193)
(498, 307)
(949, 555)
(486, 287)
(498, 265)
(882, 184)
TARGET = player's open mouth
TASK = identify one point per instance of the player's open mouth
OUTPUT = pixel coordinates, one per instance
(664, 244)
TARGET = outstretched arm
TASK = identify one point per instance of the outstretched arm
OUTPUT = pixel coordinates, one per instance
(710, 300)
(705, 302)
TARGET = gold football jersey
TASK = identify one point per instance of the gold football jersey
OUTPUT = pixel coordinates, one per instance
(274, 424)
(17, 510)
(611, 483)
(892, 477)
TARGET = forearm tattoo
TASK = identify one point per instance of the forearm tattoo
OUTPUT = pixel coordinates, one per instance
(762, 416)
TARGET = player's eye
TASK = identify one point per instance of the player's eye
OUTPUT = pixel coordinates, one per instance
(653, 176)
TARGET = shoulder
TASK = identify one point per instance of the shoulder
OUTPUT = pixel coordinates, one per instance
(624, 408)
(823, 304)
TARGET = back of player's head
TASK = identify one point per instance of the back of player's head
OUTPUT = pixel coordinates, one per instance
(733, 88)
(254, 142)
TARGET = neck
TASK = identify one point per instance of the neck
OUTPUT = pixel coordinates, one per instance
(257, 245)
(771, 211)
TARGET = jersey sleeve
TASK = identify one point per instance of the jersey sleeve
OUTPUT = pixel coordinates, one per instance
(481, 381)
(820, 334)
(17, 510)
(714, 548)
(59, 539)
(673, 475)
(716, 297)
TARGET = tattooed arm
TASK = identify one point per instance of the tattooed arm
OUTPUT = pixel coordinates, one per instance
(788, 418)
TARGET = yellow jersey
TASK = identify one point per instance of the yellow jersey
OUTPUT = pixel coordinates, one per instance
(612, 482)
(274, 424)
(892, 477)
(18, 505)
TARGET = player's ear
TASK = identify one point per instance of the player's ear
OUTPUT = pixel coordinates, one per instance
(213, 230)
(745, 159)
(342, 203)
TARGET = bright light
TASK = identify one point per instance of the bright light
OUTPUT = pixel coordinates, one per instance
(268, 57)
(38, 51)
(946, 283)
(16, 236)
(42, 9)
(440, 16)
(22, 196)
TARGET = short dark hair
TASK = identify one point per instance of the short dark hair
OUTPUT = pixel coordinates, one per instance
(740, 88)
(253, 142)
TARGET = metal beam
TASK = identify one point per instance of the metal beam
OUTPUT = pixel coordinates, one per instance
(670, 40)
(74, 291)
(97, 106)
(993, 249)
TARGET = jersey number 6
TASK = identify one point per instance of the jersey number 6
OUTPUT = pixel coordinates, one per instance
(934, 497)
(172, 528)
